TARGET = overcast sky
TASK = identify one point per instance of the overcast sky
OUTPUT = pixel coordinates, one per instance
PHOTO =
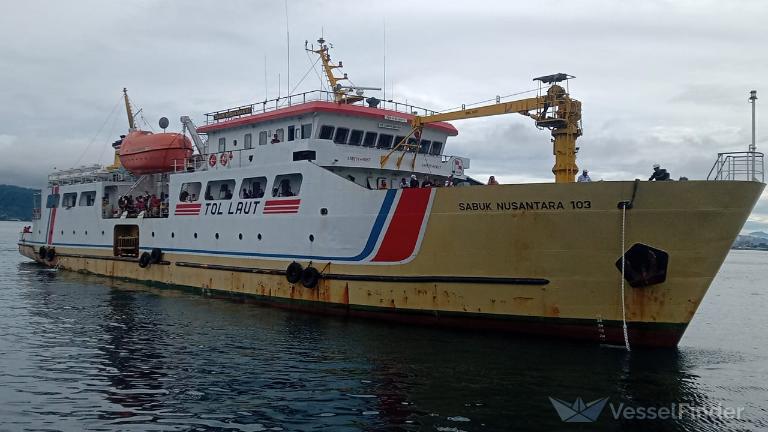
(660, 82)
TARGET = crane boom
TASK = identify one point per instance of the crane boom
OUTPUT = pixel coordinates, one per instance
(554, 110)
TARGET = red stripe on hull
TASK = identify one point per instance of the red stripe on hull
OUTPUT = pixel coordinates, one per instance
(405, 226)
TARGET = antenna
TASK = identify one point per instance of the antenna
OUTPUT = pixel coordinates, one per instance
(288, 50)
(385, 61)
(266, 87)
(753, 146)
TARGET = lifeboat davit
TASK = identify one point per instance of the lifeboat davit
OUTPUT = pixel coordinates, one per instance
(143, 152)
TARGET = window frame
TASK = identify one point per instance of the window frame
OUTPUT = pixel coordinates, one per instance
(439, 150)
(222, 144)
(383, 136)
(263, 137)
(375, 136)
(277, 183)
(325, 128)
(248, 141)
(306, 130)
(185, 187)
(359, 133)
(85, 195)
(219, 183)
(341, 130)
(67, 195)
(291, 133)
(249, 181)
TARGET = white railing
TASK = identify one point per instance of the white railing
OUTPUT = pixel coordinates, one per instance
(738, 166)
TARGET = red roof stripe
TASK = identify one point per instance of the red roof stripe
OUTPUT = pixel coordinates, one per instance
(320, 106)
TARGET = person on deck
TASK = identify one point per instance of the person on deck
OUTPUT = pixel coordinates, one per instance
(275, 139)
(584, 177)
(659, 173)
(414, 181)
(403, 183)
(492, 181)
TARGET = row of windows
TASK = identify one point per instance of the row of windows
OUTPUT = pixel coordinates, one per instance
(285, 185)
(356, 137)
(273, 137)
(87, 199)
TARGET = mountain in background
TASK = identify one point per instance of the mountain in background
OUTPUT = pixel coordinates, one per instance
(760, 234)
(15, 203)
(756, 240)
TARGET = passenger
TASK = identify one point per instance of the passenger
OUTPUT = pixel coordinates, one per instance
(275, 139)
(192, 198)
(140, 205)
(403, 183)
(383, 184)
(154, 205)
(449, 182)
(285, 188)
(245, 194)
(492, 181)
(427, 183)
(258, 192)
(183, 196)
(227, 192)
(584, 177)
(659, 173)
(414, 181)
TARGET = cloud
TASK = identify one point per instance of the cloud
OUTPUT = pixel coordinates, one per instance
(660, 81)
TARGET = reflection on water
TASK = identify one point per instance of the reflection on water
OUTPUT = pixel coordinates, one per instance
(83, 351)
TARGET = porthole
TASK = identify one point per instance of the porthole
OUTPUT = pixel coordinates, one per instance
(102, 232)
(62, 232)
(38, 231)
(173, 235)
(73, 232)
(311, 237)
(323, 211)
(153, 233)
(259, 236)
(195, 235)
(240, 236)
(217, 236)
(86, 232)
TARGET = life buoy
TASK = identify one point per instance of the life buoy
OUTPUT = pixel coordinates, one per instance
(51, 254)
(156, 255)
(309, 277)
(42, 252)
(224, 159)
(294, 272)
(144, 259)
(212, 160)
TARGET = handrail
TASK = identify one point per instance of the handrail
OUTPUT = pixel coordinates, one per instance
(738, 166)
(309, 96)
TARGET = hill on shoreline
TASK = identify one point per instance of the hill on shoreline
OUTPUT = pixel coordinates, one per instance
(15, 203)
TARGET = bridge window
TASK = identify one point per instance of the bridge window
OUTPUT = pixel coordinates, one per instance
(385, 141)
(326, 132)
(355, 137)
(424, 147)
(287, 185)
(190, 192)
(341, 135)
(248, 141)
(280, 134)
(398, 140)
(219, 190)
(306, 130)
(437, 148)
(370, 139)
(263, 135)
(253, 187)
(87, 199)
(291, 133)
(69, 200)
(222, 144)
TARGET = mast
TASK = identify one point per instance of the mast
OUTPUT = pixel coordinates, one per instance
(131, 124)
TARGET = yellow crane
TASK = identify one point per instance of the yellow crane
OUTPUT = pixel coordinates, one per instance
(553, 110)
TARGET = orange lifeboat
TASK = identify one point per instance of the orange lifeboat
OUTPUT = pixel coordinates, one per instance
(143, 152)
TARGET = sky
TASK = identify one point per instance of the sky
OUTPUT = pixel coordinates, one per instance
(660, 81)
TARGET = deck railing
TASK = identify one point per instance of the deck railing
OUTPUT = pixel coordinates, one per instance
(738, 166)
(310, 96)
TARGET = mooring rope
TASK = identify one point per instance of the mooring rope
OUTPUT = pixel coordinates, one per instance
(623, 303)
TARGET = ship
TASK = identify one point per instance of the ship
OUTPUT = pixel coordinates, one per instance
(331, 201)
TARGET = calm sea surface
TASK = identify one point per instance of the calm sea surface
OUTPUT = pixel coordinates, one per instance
(82, 352)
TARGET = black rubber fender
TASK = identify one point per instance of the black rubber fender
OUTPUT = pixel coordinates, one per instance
(145, 259)
(294, 272)
(42, 252)
(309, 277)
(156, 255)
(50, 255)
